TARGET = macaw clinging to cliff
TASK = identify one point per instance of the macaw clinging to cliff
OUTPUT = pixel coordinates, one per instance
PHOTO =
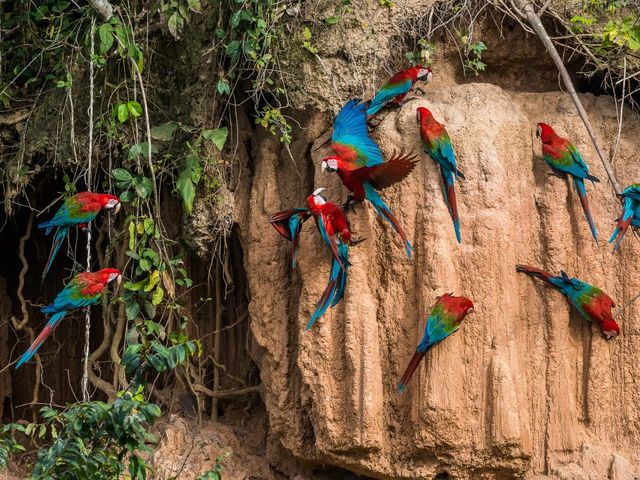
(563, 158)
(360, 165)
(445, 318)
(83, 290)
(336, 234)
(436, 142)
(397, 88)
(78, 210)
(591, 302)
(630, 214)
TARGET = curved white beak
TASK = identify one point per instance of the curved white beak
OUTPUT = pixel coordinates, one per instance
(117, 209)
(318, 191)
(323, 166)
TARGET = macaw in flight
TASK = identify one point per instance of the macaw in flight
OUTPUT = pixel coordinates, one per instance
(76, 211)
(82, 290)
(630, 213)
(436, 142)
(445, 319)
(397, 87)
(360, 166)
(591, 302)
(336, 234)
(563, 158)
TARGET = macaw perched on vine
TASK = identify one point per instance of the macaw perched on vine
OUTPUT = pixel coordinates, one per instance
(288, 223)
(591, 302)
(83, 290)
(630, 214)
(335, 232)
(360, 166)
(436, 142)
(445, 319)
(397, 88)
(563, 158)
(76, 211)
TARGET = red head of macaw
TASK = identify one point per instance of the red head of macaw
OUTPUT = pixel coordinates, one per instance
(563, 158)
(436, 142)
(397, 87)
(445, 319)
(82, 290)
(591, 302)
(359, 164)
(76, 211)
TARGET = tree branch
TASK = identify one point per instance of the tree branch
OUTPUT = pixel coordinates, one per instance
(103, 8)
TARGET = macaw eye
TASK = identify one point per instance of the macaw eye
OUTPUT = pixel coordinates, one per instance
(470, 310)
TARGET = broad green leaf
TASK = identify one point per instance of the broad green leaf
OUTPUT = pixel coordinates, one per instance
(164, 132)
(331, 20)
(195, 5)
(187, 190)
(132, 235)
(154, 278)
(158, 295)
(217, 136)
(105, 33)
(121, 175)
(135, 109)
(132, 310)
(175, 24)
(123, 112)
(223, 87)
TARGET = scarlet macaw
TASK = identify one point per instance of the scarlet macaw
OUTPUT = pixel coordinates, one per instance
(83, 290)
(563, 158)
(397, 87)
(78, 210)
(445, 319)
(360, 165)
(591, 302)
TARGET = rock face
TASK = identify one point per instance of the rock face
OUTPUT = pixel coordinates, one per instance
(526, 388)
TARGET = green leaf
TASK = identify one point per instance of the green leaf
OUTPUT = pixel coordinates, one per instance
(232, 50)
(187, 190)
(132, 310)
(175, 24)
(150, 310)
(122, 112)
(217, 136)
(132, 235)
(154, 278)
(223, 87)
(158, 295)
(332, 20)
(121, 175)
(105, 33)
(134, 108)
(164, 132)
(195, 6)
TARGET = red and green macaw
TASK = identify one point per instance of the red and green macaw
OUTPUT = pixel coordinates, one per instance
(76, 211)
(563, 158)
(83, 290)
(445, 319)
(591, 302)
(630, 214)
(397, 88)
(360, 166)
(436, 142)
(336, 234)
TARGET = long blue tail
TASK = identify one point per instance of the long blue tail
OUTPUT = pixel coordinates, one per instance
(58, 238)
(385, 212)
(623, 223)
(37, 343)
(334, 290)
(582, 193)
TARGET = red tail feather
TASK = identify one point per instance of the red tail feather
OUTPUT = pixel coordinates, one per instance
(534, 272)
(411, 368)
